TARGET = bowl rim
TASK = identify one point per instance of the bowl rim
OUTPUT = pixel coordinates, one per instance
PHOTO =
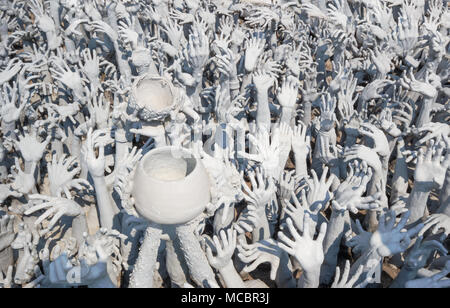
(169, 149)
(154, 77)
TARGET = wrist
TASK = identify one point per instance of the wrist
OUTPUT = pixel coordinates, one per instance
(227, 268)
(262, 95)
(423, 186)
(301, 168)
(6, 257)
(234, 84)
(384, 161)
(97, 177)
(310, 277)
(198, 74)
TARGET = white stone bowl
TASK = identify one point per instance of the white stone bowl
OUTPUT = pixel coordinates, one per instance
(171, 186)
(154, 96)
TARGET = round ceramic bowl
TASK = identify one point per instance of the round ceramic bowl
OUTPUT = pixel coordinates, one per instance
(154, 96)
(171, 186)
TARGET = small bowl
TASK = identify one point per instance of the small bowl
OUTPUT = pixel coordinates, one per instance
(155, 97)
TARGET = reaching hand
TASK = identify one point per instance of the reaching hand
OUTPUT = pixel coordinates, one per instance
(364, 153)
(390, 239)
(8, 98)
(379, 138)
(307, 251)
(225, 248)
(198, 47)
(24, 182)
(72, 79)
(348, 196)
(299, 209)
(361, 241)
(263, 81)
(301, 140)
(318, 193)
(30, 147)
(254, 48)
(372, 90)
(265, 251)
(101, 26)
(419, 255)
(345, 282)
(249, 220)
(288, 184)
(438, 280)
(425, 88)
(327, 114)
(91, 68)
(263, 189)
(54, 206)
(268, 153)
(287, 94)
(61, 179)
(431, 168)
(434, 130)
(95, 140)
(99, 108)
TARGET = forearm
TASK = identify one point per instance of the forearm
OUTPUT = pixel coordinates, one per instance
(284, 278)
(378, 179)
(445, 195)
(417, 201)
(309, 279)
(79, 227)
(247, 79)
(301, 167)
(307, 110)
(54, 13)
(425, 111)
(262, 231)
(106, 208)
(122, 145)
(195, 95)
(400, 178)
(283, 157)
(234, 88)
(331, 244)
(362, 104)
(6, 259)
(385, 165)
(8, 128)
(263, 111)
(368, 260)
(286, 115)
(3, 171)
(123, 65)
(231, 277)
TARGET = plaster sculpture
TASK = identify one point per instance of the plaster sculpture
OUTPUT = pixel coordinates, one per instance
(187, 143)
